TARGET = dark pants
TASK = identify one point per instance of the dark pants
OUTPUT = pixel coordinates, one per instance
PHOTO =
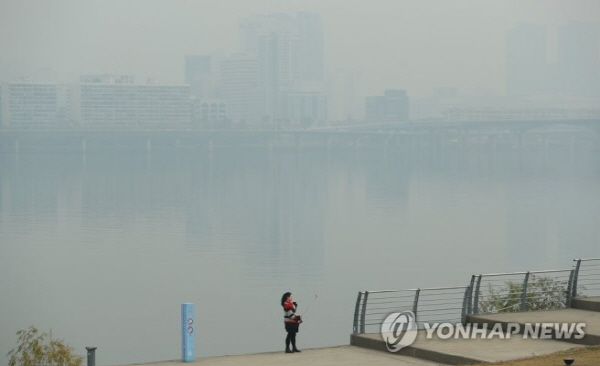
(291, 338)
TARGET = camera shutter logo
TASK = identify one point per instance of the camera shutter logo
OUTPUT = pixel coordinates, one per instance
(399, 330)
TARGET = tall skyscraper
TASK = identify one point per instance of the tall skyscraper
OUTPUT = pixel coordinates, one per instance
(277, 70)
(526, 62)
(198, 74)
(310, 46)
(289, 54)
(579, 59)
(239, 86)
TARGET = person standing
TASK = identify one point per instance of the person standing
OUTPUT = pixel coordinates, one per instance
(291, 321)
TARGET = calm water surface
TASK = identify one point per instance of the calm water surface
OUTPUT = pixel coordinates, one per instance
(102, 249)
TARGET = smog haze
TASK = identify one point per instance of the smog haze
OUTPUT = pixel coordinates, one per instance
(413, 45)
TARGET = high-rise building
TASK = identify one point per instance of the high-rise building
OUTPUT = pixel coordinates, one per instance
(289, 54)
(391, 107)
(195, 66)
(345, 102)
(304, 109)
(277, 71)
(579, 59)
(526, 62)
(200, 75)
(239, 87)
(310, 46)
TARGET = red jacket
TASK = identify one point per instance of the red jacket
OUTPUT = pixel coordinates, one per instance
(289, 313)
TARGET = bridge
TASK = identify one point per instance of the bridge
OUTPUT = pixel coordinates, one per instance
(483, 125)
(438, 135)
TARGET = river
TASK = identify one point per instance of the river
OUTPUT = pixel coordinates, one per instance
(103, 248)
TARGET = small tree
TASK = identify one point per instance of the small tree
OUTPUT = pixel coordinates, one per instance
(543, 293)
(41, 349)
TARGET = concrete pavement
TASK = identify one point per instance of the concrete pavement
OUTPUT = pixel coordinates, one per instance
(587, 303)
(467, 351)
(435, 351)
(333, 356)
(590, 318)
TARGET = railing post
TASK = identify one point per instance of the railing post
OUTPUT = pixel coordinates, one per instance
(91, 356)
(470, 296)
(570, 289)
(575, 277)
(476, 297)
(363, 311)
(356, 310)
(465, 306)
(524, 293)
(416, 301)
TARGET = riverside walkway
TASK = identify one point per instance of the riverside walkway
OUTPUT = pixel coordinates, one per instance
(370, 349)
(332, 356)
(468, 351)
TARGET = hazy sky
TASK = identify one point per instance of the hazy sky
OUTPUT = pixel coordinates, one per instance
(417, 45)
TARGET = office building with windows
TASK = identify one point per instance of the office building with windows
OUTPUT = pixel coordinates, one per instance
(239, 88)
(116, 102)
(29, 105)
(288, 49)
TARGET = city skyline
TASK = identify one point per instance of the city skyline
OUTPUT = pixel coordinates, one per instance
(413, 46)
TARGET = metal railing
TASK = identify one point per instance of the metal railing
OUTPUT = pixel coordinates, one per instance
(485, 294)
(436, 304)
(586, 279)
(520, 291)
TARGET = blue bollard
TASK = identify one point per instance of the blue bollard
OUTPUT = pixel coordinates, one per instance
(188, 332)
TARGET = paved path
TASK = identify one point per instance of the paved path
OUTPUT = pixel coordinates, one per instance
(333, 356)
(590, 318)
(443, 351)
(462, 351)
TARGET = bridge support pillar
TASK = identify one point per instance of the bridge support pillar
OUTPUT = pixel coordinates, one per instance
(17, 146)
(463, 139)
(148, 145)
(518, 139)
(210, 146)
(437, 143)
(546, 142)
(83, 146)
(270, 144)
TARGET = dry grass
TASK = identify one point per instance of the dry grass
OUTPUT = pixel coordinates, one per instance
(588, 356)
